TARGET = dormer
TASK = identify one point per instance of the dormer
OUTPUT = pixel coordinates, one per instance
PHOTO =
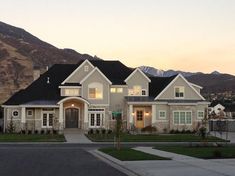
(138, 83)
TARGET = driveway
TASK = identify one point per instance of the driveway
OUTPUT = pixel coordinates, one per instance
(49, 160)
(231, 135)
(76, 136)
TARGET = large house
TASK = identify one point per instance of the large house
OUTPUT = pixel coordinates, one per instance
(86, 95)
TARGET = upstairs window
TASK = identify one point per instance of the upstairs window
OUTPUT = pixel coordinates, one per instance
(71, 92)
(116, 90)
(95, 91)
(136, 91)
(179, 92)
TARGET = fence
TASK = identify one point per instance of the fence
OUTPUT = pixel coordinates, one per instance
(222, 125)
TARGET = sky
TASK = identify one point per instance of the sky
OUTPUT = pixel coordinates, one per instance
(189, 35)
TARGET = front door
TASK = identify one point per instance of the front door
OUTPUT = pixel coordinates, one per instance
(71, 118)
(139, 119)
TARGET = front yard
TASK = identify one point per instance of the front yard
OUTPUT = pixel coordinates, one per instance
(128, 154)
(31, 138)
(205, 152)
(152, 138)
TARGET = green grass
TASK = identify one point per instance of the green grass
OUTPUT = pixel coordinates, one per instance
(208, 152)
(31, 138)
(128, 154)
(152, 138)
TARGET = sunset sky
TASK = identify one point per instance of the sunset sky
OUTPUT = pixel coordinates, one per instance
(189, 35)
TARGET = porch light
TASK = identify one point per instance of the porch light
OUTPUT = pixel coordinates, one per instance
(132, 113)
(72, 105)
(147, 113)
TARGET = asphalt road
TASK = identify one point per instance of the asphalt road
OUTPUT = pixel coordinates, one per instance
(50, 160)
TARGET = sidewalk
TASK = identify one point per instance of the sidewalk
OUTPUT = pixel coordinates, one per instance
(178, 166)
(75, 136)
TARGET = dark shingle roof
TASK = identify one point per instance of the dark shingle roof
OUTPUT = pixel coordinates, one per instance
(115, 71)
(158, 84)
(40, 89)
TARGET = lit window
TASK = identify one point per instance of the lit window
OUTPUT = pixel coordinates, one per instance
(136, 91)
(95, 91)
(162, 114)
(86, 68)
(179, 92)
(200, 114)
(119, 90)
(71, 92)
(113, 90)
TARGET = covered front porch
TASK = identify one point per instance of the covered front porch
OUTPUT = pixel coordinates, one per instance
(73, 113)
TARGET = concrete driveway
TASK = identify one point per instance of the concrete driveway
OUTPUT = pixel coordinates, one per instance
(76, 136)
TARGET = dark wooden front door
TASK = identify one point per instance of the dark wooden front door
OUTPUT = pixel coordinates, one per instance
(71, 118)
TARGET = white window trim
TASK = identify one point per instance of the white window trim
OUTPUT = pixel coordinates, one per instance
(162, 118)
(198, 114)
(175, 92)
(47, 112)
(146, 93)
(15, 110)
(185, 118)
(27, 111)
(102, 120)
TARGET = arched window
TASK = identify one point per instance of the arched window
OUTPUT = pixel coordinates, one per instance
(95, 90)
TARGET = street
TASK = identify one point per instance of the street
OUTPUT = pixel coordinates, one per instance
(59, 160)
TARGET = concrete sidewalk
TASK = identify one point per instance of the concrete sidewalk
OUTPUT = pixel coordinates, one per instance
(76, 136)
(178, 166)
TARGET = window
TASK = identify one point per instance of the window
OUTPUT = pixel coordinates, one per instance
(47, 120)
(139, 115)
(95, 91)
(113, 90)
(71, 92)
(86, 68)
(96, 118)
(179, 92)
(119, 90)
(182, 118)
(143, 92)
(200, 114)
(162, 114)
(15, 113)
(136, 91)
(29, 113)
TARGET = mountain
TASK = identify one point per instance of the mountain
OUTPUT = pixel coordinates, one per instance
(21, 54)
(214, 82)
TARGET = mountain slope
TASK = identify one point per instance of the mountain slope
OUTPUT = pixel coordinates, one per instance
(21, 53)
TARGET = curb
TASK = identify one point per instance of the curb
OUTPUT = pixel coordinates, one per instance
(115, 163)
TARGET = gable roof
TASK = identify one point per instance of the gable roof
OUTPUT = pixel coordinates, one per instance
(40, 90)
(179, 76)
(158, 84)
(137, 70)
(115, 71)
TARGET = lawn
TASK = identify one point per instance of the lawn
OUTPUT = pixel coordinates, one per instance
(151, 138)
(208, 152)
(128, 154)
(31, 138)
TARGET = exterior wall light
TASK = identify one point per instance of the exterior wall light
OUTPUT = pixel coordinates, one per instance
(72, 105)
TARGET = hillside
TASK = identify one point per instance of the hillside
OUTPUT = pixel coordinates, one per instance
(21, 53)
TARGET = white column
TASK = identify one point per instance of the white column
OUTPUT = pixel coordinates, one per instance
(154, 113)
(130, 114)
(85, 113)
(23, 115)
(61, 117)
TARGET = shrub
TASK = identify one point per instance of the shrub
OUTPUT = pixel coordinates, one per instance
(55, 132)
(103, 131)
(202, 132)
(22, 131)
(42, 131)
(35, 131)
(110, 131)
(91, 131)
(165, 130)
(217, 153)
(97, 131)
(29, 132)
(48, 131)
(149, 129)
(172, 131)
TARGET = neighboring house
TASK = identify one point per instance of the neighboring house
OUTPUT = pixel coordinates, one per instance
(87, 94)
(216, 108)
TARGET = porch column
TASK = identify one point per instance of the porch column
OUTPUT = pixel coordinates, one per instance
(85, 116)
(130, 114)
(154, 113)
(23, 118)
(61, 117)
